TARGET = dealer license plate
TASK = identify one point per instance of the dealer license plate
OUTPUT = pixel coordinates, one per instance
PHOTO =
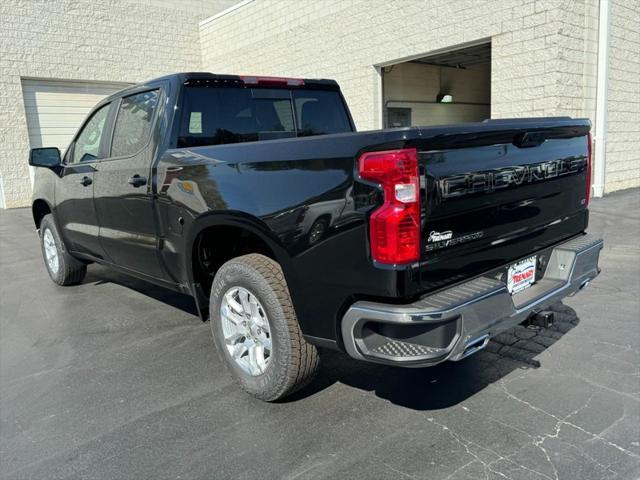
(521, 275)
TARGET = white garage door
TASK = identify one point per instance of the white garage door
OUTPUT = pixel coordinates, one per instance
(55, 109)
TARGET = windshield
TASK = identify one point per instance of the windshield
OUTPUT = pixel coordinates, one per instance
(219, 115)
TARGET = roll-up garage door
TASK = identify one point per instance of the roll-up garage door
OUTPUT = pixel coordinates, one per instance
(55, 109)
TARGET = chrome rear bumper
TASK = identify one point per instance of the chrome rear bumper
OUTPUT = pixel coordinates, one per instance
(459, 321)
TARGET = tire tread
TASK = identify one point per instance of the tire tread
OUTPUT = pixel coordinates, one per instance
(304, 359)
(71, 271)
(302, 364)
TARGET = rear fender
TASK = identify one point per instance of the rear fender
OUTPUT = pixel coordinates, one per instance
(238, 220)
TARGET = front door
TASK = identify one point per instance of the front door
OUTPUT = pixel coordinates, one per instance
(123, 191)
(75, 210)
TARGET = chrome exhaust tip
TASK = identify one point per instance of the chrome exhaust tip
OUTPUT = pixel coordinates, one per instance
(582, 286)
(474, 346)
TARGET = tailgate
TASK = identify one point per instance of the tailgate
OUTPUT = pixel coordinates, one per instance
(499, 191)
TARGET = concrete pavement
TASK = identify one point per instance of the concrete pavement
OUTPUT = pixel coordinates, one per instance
(115, 379)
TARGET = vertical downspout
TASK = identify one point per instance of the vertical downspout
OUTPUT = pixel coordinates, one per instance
(2, 205)
(380, 96)
(600, 138)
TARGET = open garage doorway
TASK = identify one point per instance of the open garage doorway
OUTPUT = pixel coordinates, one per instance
(443, 88)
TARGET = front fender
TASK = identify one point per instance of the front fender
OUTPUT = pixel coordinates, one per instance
(43, 193)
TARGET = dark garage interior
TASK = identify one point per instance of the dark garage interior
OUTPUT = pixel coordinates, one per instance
(443, 88)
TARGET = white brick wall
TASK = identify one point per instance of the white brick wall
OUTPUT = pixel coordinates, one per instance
(623, 136)
(108, 40)
(544, 54)
(345, 39)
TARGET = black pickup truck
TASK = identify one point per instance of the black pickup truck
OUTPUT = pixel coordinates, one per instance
(256, 196)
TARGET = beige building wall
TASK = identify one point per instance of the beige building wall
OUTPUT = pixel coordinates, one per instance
(107, 41)
(346, 39)
(544, 53)
(623, 133)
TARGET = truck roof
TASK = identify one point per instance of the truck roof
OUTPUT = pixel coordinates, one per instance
(257, 80)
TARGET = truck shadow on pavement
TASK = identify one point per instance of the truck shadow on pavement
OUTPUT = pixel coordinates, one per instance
(449, 383)
(430, 388)
(98, 275)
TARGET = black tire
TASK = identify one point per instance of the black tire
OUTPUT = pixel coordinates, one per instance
(293, 362)
(70, 270)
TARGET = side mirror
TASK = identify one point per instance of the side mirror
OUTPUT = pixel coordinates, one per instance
(44, 157)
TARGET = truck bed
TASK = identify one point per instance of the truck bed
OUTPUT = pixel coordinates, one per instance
(492, 193)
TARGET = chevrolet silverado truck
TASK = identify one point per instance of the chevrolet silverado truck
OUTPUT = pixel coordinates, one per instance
(292, 231)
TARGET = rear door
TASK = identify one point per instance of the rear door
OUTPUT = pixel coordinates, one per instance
(123, 188)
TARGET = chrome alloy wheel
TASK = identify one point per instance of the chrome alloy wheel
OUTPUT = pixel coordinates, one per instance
(245, 326)
(50, 251)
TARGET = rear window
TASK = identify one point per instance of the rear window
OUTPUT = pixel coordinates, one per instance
(133, 123)
(220, 115)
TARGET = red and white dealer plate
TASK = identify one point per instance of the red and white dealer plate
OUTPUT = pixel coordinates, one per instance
(521, 275)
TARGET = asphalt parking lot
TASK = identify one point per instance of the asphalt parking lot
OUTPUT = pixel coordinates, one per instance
(118, 379)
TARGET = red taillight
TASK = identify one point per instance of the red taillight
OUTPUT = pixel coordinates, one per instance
(395, 226)
(589, 152)
(273, 81)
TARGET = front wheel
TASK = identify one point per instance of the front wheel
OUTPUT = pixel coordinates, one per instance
(256, 330)
(62, 267)
(318, 231)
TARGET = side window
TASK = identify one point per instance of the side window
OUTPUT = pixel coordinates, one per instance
(133, 123)
(87, 144)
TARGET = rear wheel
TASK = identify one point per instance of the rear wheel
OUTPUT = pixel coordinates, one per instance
(256, 330)
(62, 267)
